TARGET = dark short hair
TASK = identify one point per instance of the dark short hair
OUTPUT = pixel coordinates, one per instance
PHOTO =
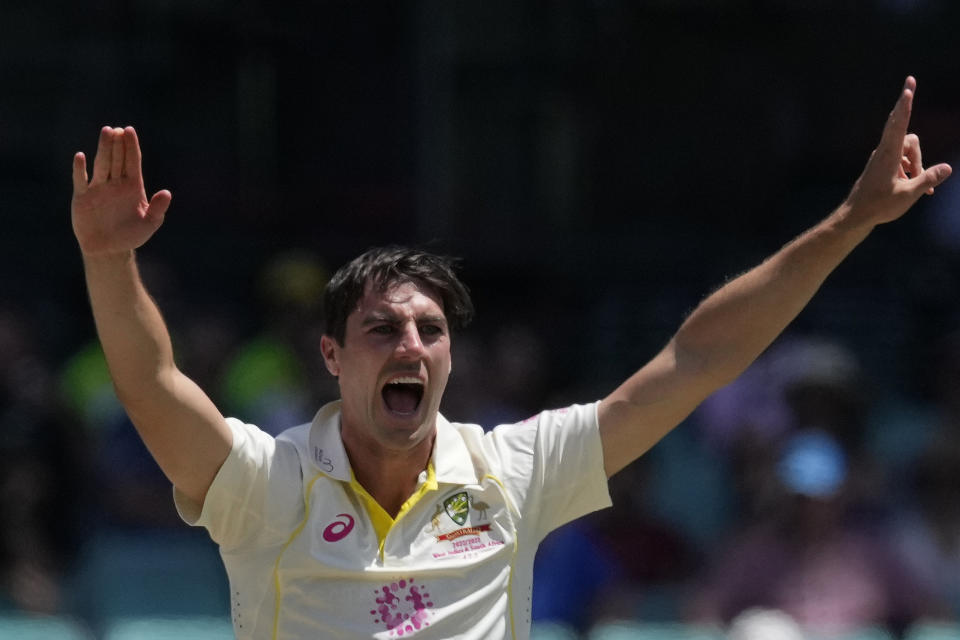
(383, 267)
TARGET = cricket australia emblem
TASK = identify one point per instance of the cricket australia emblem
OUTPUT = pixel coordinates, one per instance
(457, 507)
(478, 526)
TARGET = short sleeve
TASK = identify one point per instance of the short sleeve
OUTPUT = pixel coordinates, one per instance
(253, 498)
(557, 459)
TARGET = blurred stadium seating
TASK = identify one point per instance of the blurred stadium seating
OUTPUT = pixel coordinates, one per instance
(29, 627)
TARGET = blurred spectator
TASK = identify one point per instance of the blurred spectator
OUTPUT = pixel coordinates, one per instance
(520, 368)
(617, 564)
(764, 624)
(86, 386)
(42, 473)
(811, 558)
(204, 343)
(799, 383)
(798, 380)
(930, 534)
(498, 378)
(276, 378)
(929, 531)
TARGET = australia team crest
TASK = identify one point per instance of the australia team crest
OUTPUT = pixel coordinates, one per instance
(457, 507)
(471, 536)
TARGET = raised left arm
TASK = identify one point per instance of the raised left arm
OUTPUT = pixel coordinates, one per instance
(732, 326)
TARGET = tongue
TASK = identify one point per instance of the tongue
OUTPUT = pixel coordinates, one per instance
(401, 398)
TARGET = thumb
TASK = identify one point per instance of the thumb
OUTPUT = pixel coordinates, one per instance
(933, 177)
(157, 208)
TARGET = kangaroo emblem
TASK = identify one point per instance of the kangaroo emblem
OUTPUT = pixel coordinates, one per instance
(435, 519)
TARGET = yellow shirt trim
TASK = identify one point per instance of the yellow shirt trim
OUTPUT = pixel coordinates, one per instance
(513, 557)
(382, 522)
(278, 596)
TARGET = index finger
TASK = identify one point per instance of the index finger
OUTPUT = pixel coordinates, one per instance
(79, 172)
(891, 142)
(132, 157)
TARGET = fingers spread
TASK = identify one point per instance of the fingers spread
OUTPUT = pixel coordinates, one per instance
(116, 159)
(79, 173)
(101, 162)
(132, 157)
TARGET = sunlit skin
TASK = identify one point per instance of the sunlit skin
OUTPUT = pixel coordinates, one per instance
(398, 333)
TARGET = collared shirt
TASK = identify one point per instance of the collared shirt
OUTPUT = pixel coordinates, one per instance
(310, 554)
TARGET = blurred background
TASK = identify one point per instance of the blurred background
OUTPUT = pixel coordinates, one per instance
(600, 166)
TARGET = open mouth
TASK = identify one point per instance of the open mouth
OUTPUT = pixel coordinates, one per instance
(402, 395)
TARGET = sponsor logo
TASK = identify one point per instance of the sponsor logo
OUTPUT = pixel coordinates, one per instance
(402, 607)
(339, 529)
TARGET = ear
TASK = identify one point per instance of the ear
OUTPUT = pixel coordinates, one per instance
(331, 354)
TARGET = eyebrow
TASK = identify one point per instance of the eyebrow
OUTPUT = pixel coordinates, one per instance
(375, 317)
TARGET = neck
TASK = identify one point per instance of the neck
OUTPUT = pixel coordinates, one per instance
(389, 476)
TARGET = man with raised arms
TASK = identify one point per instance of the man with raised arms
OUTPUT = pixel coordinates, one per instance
(381, 519)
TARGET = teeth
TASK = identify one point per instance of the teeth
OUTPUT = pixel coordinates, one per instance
(406, 380)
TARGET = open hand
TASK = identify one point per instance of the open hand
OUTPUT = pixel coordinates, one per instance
(894, 178)
(111, 213)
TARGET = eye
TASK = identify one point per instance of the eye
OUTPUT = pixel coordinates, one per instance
(383, 329)
(431, 330)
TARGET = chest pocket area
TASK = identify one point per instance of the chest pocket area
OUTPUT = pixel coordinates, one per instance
(338, 535)
(464, 525)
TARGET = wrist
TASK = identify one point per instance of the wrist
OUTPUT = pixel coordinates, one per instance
(851, 221)
(107, 258)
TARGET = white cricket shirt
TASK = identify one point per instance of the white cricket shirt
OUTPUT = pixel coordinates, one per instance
(310, 555)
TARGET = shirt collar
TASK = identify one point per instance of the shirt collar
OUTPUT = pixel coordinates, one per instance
(451, 459)
(326, 446)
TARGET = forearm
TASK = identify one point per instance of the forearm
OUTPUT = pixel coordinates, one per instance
(720, 339)
(732, 326)
(111, 217)
(135, 339)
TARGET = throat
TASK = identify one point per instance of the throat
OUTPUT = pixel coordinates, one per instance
(391, 481)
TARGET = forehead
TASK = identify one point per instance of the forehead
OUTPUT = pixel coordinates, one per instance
(407, 297)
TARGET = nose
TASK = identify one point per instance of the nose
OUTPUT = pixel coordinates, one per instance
(410, 345)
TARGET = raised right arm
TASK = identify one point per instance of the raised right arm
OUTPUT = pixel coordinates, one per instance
(184, 431)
